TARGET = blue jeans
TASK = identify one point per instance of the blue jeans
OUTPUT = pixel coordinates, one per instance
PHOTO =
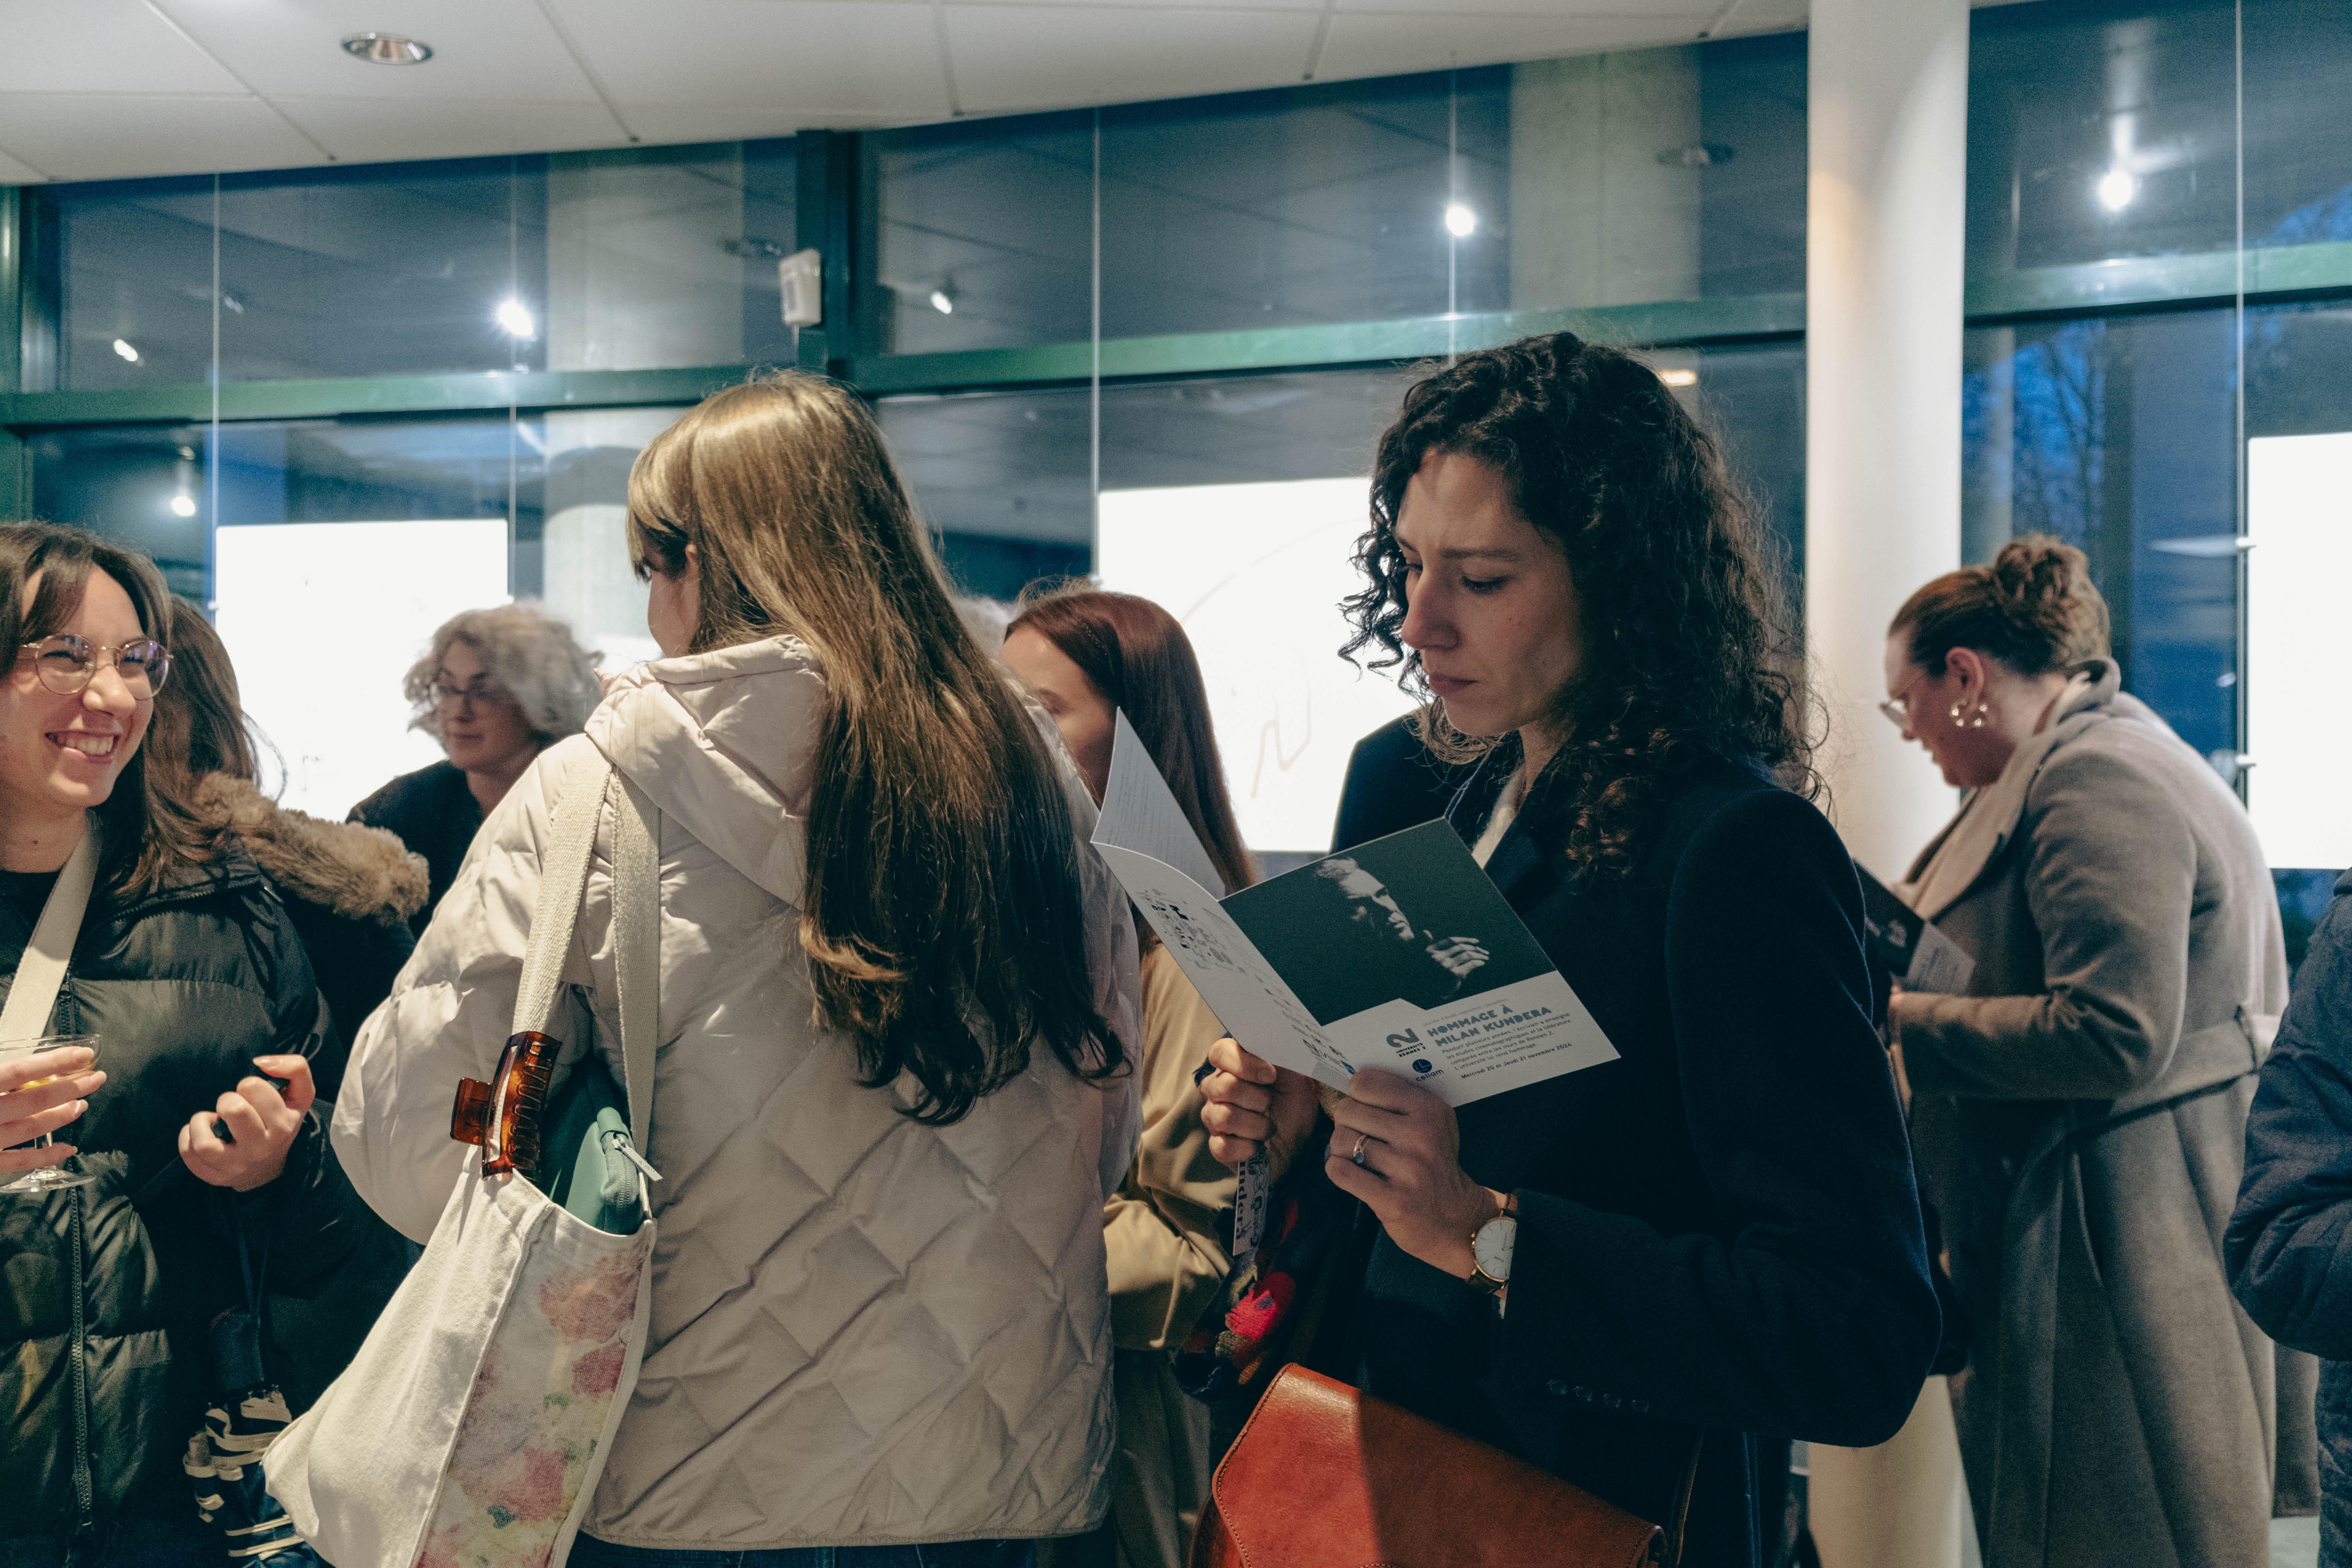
(590, 1552)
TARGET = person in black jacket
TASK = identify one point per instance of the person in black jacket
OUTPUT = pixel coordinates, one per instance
(189, 971)
(1684, 1257)
(1393, 783)
(495, 688)
(2289, 1245)
(350, 890)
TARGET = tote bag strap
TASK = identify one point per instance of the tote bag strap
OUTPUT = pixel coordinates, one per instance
(637, 944)
(636, 909)
(33, 995)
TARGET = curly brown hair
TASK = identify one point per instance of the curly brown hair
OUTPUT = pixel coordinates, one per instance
(1690, 654)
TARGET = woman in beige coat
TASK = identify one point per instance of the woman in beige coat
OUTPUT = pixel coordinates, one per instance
(2080, 1113)
(1088, 656)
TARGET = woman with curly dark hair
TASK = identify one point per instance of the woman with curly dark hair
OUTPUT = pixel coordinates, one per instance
(1645, 1276)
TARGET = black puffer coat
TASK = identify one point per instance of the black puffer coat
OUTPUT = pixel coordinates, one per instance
(184, 986)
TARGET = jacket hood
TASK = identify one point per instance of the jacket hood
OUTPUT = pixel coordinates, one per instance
(725, 744)
(356, 872)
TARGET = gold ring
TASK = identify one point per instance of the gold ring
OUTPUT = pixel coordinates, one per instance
(1361, 1139)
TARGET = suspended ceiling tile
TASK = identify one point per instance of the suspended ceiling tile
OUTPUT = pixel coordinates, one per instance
(1011, 57)
(99, 45)
(1669, 19)
(1769, 16)
(878, 58)
(106, 136)
(1163, 4)
(503, 49)
(668, 125)
(13, 173)
(1365, 43)
(370, 131)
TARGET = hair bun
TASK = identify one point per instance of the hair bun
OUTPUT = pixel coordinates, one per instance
(2034, 569)
(2034, 607)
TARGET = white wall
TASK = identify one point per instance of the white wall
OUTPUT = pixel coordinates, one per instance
(322, 619)
(1256, 572)
(2299, 515)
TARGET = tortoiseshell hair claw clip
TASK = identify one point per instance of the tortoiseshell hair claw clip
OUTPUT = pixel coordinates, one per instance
(503, 1114)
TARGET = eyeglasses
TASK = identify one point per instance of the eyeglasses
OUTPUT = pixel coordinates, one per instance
(67, 663)
(1897, 707)
(481, 688)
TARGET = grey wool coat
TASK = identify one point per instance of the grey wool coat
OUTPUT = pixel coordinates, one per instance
(2079, 1118)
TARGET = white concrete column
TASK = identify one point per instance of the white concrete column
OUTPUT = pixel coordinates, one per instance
(1887, 132)
(1888, 137)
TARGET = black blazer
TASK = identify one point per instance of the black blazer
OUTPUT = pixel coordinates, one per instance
(434, 812)
(1718, 1230)
(1393, 783)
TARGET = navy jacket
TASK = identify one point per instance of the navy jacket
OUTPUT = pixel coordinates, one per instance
(2289, 1247)
(1719, 1230)
(1393, 783)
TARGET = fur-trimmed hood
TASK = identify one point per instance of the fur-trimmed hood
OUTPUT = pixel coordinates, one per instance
(356, 872)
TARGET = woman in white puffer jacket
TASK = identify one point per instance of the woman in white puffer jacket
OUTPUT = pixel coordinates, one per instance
(894, 982)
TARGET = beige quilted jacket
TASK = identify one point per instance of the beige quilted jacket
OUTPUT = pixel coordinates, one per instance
(864, 1330)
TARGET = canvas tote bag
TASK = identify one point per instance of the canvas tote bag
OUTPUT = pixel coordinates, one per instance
(471, 1428)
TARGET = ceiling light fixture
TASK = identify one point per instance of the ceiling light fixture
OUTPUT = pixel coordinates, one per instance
(126, 350)
(183, 506)
(2116, 189)
(514, 319)
(387, 50)
(1679, 377)
(943, 297)
(1460, 221)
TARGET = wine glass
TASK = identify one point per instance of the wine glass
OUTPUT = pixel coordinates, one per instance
(48, 1178)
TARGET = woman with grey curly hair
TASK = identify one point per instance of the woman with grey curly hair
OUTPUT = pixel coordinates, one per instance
(497, 687)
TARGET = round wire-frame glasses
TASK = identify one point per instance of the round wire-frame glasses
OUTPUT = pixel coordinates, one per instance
(67, 663)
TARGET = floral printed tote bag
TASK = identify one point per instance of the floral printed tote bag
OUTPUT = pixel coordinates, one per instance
(469, 1430)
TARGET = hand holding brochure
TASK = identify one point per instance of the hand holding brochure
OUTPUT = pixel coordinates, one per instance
(1919, 956)
(1400, 953)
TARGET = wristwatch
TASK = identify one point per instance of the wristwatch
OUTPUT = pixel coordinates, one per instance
(1490, 1247)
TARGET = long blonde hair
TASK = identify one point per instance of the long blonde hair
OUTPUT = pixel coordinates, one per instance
(942, 918)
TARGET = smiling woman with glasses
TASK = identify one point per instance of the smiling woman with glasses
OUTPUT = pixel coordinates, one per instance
(184, 985)
(495, 688)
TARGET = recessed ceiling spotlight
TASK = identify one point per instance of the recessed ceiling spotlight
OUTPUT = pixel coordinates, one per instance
(387, 50)
(1679, 377)
(2117, 188)
(942, 301)
(183, 506)
(514, 317)
(126, 350)
(1460, 221)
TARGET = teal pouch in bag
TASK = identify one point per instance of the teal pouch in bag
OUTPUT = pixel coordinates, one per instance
(586, 1164)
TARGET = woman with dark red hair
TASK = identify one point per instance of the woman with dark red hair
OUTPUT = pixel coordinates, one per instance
(1089, 655)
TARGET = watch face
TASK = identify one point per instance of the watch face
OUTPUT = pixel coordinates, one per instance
(1492, 1247)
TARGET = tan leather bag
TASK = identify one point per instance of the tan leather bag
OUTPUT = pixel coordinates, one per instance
(1323, 1476)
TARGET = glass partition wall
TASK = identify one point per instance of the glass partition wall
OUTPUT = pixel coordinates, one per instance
(1146, 320)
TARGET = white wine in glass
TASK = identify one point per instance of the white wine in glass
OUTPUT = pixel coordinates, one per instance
(51, 1177)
